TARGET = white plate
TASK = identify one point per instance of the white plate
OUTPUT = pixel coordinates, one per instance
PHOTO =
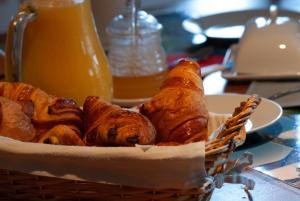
(129, 102)
(229, 25)
(267, 113)
(231, 73)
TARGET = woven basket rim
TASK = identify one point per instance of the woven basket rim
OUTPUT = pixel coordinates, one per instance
(242, 134)
(234, 126)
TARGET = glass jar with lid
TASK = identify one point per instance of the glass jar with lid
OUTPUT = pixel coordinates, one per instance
(137, 59)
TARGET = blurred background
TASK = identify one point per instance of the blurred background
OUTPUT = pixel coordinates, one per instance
(104, 10)
(200, 29)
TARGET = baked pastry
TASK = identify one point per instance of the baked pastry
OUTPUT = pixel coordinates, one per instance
(14, 123)
(179, 112)
(110, 125)
(61, 135)
(45, 111)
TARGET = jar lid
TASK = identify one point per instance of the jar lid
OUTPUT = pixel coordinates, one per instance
(126, 24)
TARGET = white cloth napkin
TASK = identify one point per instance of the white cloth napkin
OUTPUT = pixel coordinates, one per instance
(149, 166)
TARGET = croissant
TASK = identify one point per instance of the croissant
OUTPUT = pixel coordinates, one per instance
(110, 125)
(44, 110)
(14, 123)
(179, 112)
(61, 135)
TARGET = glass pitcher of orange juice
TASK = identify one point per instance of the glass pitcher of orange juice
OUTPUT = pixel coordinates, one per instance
(53, 44)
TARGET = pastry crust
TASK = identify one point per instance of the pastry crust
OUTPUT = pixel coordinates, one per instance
(110, 125)
(179, 112)
(61, 135)
(44, 110)
(14, 123)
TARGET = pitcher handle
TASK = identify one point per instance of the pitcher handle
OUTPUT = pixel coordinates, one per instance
(19, 24)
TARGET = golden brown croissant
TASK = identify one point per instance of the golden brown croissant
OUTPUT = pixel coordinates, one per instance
(45, 111)
(61, 135)
(110, 125)
(14, 123)
(179, 111)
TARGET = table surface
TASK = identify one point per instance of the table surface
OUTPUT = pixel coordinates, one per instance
(178, 43)
(266, 188)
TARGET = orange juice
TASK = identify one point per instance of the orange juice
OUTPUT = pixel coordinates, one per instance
(137, 87)
(62, 53)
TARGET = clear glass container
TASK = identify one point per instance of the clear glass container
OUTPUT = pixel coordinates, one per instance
(137, 59)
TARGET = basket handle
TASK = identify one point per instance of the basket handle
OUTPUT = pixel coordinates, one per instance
(233, 126)
(232, 173)
(239, 165)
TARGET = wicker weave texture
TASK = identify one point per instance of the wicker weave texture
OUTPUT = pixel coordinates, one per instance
(20, 186)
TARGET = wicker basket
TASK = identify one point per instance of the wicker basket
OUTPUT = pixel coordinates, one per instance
(20, 186)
